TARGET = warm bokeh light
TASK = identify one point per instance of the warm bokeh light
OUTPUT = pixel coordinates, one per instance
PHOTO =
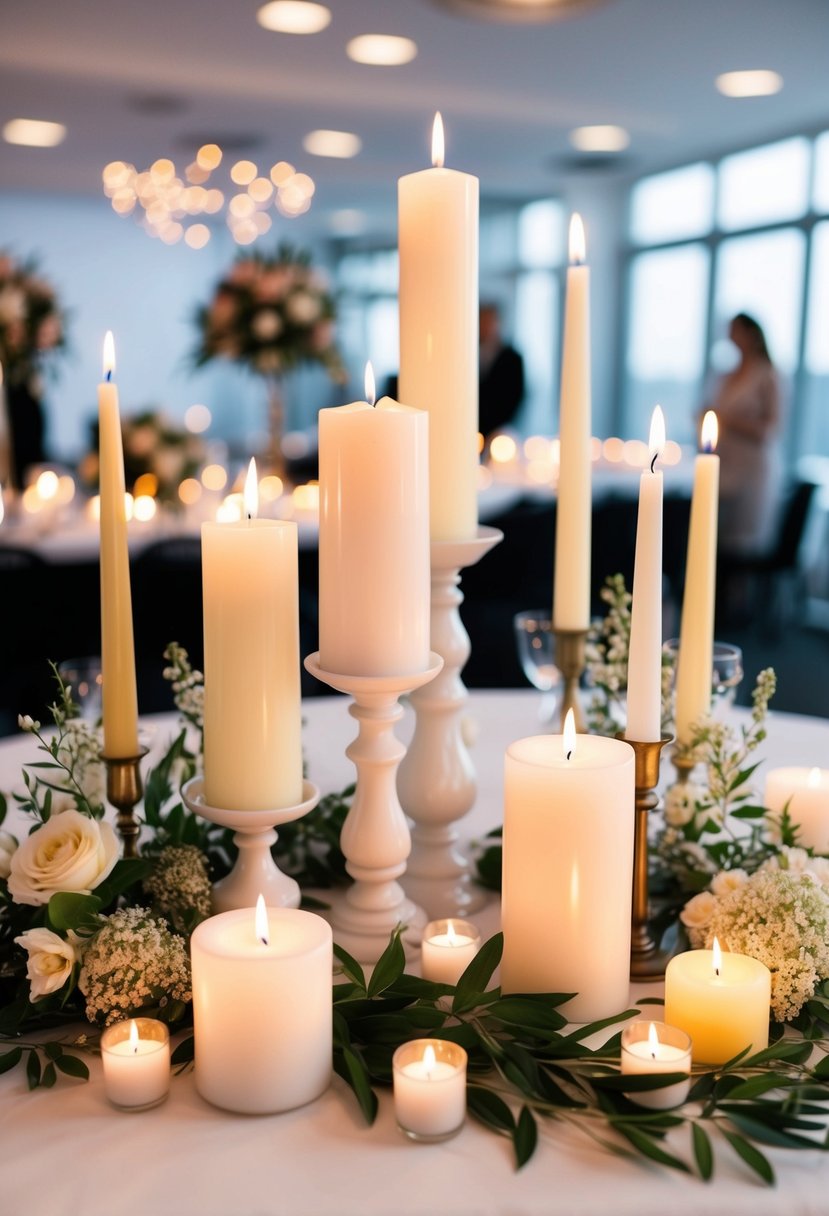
(307, 497)
(601, 138)
(758, 82)
(503, 448)
(636, 453)
(144, 508)
(230, 510)
(47, 485)
(93, 508)
(261, 190)
(293, 17)
(672, 452)
(209, 156)
(243, 172)
(197, 236)
(189, 491)
(162, 170)
(281, 172)
(613, 450)
(568, 737)
(340, 145)
(381, 50)
(595, 448)
(270, 488)
(129, 506)
(146, 486)
(241, 206)
(214, 477)
(197, 418)
(66, 489)
(537, 447)
(34, 133)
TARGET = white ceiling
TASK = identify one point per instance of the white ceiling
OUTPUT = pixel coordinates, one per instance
(509, 94)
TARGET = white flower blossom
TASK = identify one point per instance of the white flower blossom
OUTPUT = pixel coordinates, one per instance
(51, 960)
(8, 844)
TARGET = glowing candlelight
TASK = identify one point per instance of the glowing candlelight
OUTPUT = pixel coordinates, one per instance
(438, 142)
(109, 355)
(568, 738)
(577, 242)
(251, 492)
(370, 387)
(261, 920)
(709, 432)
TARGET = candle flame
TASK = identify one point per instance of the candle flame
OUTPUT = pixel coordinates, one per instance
(710, 431)
(261, 918)
(716, 957)
(134, 1037)
(109, 355)
(578, 244)
(813, 780)
(656, 438)
(438, 141)
(251, 491)
(371, 389)
(429, 1059)
(451, 935)
(653, 1040)
(568, 738)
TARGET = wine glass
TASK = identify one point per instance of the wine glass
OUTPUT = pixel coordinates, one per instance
(84, 678)
(726, 669)
(536, 646)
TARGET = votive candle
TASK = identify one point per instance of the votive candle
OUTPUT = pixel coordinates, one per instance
(448, 948)
(136, 1062)
(429, 1078)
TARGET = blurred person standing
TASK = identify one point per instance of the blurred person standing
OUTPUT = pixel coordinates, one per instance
(501, 375)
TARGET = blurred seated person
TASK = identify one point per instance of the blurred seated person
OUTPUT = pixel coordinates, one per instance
(747, 405)
(501, 372)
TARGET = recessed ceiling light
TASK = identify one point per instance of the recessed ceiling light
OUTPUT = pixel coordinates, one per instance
(756, 83)
(518, 10)
(605, 138)
(33, 133)
(294, 17)
(381, 50)
(340, 144)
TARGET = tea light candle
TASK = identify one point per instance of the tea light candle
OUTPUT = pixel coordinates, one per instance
(650, 1048)
(805, 792)
(448, 948)
(429, 1089)
(721, 1000)
(262, 1008)
(136, 1060)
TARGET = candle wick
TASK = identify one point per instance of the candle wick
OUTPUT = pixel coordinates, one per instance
(717, 972)
(653, 462)
(569, 754)
(263, 940)
(109, 375)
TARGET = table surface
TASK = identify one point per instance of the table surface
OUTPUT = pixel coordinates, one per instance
(66, 1151)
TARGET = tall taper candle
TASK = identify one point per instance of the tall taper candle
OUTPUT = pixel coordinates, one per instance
(644, 699)
(571, 598)
(252, 721)
(696, 635)
(438, 238)
(120, 699)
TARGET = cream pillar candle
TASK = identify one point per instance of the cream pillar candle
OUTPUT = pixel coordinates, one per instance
(429, 1078)
(252, 718)
(136, 1062)
(721, 1000)
(651, 1049)
(644, 694)
(448, 948)
(805, 791)
(374, 539)
(438, 239)
(120, 699)
(571, 599)
(694, 672)
(567, 870)
(262, 1009)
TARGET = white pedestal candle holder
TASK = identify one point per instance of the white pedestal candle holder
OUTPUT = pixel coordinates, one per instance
(375, 837)
(255, 872)
(436, 782)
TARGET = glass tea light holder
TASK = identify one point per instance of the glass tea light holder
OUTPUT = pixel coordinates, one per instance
(653, 1048)
(448, 948)
(429, 1089)
(136, 1060)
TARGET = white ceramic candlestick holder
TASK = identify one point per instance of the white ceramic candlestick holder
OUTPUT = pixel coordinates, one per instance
(436, 782)
(255, 872)
(375, 837)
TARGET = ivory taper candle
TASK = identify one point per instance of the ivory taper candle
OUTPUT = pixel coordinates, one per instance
(644, 693)
(120, 699)
(252, 721)
(571, 598)
(438, 238)
(696, 635)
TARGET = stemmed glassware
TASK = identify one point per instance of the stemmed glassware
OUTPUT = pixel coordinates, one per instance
(536, 649)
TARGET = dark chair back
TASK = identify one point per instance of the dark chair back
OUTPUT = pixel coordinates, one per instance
(792, 525)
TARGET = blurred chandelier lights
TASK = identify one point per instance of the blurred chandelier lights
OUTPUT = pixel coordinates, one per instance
(168, 206)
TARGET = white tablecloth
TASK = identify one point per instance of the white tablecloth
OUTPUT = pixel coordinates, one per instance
(66, 1152)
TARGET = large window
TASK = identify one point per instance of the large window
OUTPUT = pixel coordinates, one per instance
(764, 185)
(673, 206)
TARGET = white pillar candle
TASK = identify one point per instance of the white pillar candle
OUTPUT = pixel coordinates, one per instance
(651, 1048)
(805, 792)
(429, 1078)
(252, 717)
(694, 673)
(644, 693)
(120, 699)
(571, 599)
(374, 539)
(448, 948)
(136, 1062)
(721, 1000)
(262, 1009)
(568, 870)
(438, 239)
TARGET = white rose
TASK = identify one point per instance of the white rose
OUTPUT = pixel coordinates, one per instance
(819, 866)
(680, 804)
(8, 844)
(699, 911)
(727, 881)
(51, 960)
(69, 853)
(795, 861)
(302, 307)
(266, 325)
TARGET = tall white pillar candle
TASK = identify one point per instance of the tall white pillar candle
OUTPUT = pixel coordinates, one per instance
(805, 791)
(252, 718)
(644, 693)
(262, 1009)
(438, 240)
(374, 539)
(120, 698)
(571, 598)
(568, 870)
(696, 635)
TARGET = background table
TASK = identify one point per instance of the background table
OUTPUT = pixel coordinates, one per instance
(66, 1151)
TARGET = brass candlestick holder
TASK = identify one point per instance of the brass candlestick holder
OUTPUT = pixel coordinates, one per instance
(647, 961)
(684, 763)
(571, 662)
(124, 791)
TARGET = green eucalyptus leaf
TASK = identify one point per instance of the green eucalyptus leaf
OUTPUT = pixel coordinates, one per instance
(184, 1053)
(527, 1014)
(73, 1067)
(70, 910)
(525, 1137)
(350, 967)
(53, 1051)
(754, 1086)
(350, 1067)
(10, 1059)
(752, 1156)
(33, 1070)
(489, 1109)
(645, 1144)
(389, 967)
(49, 1076)
(703, 1152)
(473, 983)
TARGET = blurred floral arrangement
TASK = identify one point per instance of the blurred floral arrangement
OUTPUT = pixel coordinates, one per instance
(272, 314)
(158, 454)
(31, 321)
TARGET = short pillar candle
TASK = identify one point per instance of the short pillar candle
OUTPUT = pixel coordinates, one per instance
(136, 1061)
(448, 948)
(429, 1089)
(721, 1000)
